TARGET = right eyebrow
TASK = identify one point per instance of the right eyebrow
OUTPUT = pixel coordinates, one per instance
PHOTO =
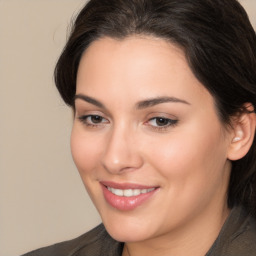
(89, 100)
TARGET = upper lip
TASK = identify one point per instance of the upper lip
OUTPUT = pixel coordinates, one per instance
(125, 185)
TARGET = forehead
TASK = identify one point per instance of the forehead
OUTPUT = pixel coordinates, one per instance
(135, 51)
(137, 67)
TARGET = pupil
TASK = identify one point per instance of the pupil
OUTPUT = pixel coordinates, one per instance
(96, 119)
(161, 121)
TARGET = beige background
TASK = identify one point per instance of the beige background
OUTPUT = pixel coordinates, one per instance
(42, 199)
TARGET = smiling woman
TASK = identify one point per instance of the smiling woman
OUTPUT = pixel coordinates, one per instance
(128, 143)
(164, 126)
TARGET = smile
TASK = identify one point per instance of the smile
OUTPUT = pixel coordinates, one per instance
(126, 197)
(129, 192)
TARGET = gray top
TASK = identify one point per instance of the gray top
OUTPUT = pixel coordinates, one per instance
(237, 238)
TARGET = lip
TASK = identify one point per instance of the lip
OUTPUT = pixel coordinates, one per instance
(123, 203)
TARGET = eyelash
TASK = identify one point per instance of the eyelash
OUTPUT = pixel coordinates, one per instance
(84, 120)
(167, 122)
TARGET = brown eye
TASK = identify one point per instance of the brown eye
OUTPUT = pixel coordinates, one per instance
(93, 120)
(162, 121)
(96, 119)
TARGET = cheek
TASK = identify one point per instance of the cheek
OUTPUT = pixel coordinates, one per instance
(192, 168)
(189, 156)
(85, 151)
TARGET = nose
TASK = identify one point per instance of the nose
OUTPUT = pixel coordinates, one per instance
(121, 153)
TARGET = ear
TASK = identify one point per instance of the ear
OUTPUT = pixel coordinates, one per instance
(243, 132)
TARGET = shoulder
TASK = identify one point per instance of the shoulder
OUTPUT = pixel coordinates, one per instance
(243, 242)
(237, 237)
(91, 243)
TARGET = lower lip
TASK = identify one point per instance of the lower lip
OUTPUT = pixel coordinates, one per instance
(123, 203)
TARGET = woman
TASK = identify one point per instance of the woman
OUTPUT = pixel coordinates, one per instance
(164, 99)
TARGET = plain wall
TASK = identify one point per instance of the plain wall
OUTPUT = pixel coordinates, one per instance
(42, 199)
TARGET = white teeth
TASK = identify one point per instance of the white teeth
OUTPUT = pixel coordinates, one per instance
(136, 192)
(129, 192)
(119, 192)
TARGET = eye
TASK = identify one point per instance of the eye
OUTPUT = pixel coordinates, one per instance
(161, 123)
(93, 120)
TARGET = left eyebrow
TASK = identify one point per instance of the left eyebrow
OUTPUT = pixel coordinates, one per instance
(159, 100)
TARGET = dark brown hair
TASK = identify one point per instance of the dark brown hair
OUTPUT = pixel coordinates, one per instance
(220, 47)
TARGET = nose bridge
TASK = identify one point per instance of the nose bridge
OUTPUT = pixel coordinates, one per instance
(120, 152)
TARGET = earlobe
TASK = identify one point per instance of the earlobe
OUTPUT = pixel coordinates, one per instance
(243, 127)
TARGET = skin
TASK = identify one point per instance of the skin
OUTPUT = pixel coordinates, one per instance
(187, 161)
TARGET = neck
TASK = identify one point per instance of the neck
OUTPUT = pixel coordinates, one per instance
(195, 238)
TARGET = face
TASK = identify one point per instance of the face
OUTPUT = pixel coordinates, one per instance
(146, 139)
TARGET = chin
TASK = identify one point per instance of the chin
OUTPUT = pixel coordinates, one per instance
(127, 229)
(127, 236)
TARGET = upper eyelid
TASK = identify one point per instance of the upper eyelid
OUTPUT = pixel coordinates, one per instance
(147, 118)
(92, 110)
(89, 112)
(161, 115)
(82, 112)
(146, 105)
(90, 115)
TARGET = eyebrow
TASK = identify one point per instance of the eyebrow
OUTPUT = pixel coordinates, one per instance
(159, 100)
(89, 100)
(140, 105)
